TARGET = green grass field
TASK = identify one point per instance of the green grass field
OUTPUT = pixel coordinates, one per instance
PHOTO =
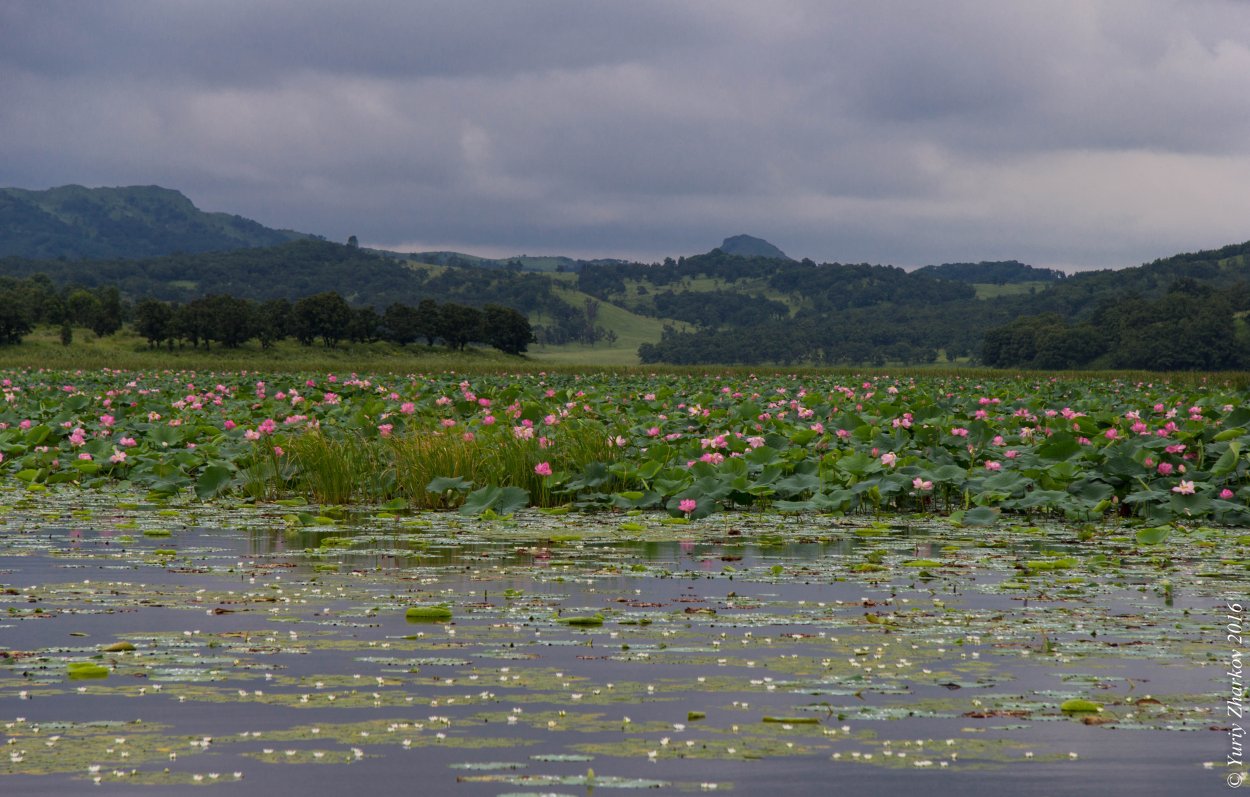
(632, 331)
(987, 290)
(43, 349)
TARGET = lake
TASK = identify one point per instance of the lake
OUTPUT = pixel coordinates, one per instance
(149, 647)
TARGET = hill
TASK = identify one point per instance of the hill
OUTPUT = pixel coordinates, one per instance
(138, 221)
(1185, 312)
(556, 263)
(745, 302)
(748, 246)
(296, 269)
(1002, 272)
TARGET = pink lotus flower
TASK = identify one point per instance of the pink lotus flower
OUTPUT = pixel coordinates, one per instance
(118, 457)
(889, 458)
(1184, 488)
(385, 429)
(1165, 468)
(922, 485)
(277, 451)
(543, 468)
(1111, 434)
(992, 465)
(688, 505)
(1226, 494)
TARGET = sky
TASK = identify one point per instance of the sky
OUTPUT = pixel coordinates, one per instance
(1071, 134)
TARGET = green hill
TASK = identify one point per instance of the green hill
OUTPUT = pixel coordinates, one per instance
(139, 221)
(745, 302)
(551, 263)
(748, 246)
(1003, 272)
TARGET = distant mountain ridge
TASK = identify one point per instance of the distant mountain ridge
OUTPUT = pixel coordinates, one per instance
(131, 222)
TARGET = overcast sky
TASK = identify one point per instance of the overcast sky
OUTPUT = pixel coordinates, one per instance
(1066, 134)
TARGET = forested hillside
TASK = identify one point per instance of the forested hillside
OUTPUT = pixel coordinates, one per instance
(750, 305)
(306, 267)
(139, 221)
(1182, 312)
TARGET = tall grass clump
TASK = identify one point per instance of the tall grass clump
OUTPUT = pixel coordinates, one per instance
(497, 456)
(268, 474)
(341, 468)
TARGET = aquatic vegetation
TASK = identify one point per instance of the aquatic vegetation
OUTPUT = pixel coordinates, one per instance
(690, 446)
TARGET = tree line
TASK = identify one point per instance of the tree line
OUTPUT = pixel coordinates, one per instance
(230, 321)
(307, 267)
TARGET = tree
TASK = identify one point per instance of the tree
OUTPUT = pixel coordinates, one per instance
(154, 320)
(506, 329)
(459, 325)
(365, 325)
(16, 316)
(429, 320)
(272, 321)
(108, 316)
(401, 324)
(193, 322)
(325, 315)
(82, 307)
(230, 320)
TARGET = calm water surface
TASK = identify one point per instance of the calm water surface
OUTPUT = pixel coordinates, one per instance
(776, 656)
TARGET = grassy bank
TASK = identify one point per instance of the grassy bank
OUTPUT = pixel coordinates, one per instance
(127, 351)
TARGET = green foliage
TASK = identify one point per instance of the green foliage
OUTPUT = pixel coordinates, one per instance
(73, 222)
(506, 329)
(1191, 327)
(16, 315)
(1003, 272)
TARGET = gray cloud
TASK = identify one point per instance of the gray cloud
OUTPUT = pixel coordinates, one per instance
(1069, 133)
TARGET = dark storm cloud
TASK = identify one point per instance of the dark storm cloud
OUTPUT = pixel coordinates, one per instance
(1066, 133)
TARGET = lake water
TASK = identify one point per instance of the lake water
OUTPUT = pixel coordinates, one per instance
(748, 654)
